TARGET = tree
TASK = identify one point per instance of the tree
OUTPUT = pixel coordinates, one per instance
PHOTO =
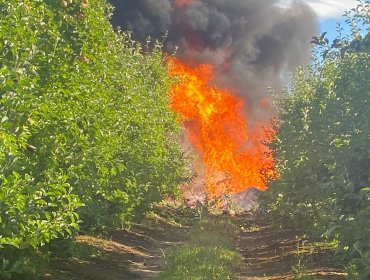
(86, 134)
(321, 147)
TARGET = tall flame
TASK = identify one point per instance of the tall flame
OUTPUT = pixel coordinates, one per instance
(234, 157)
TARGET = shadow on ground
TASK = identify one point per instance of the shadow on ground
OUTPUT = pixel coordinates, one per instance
(139, 253)
(283, 254)
(132, 254)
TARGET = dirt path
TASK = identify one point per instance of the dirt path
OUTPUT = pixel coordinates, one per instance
(135, 254)
(277, 254)
(139, 253)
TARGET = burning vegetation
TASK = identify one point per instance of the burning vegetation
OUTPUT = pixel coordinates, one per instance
(234, 156)
(227, 55)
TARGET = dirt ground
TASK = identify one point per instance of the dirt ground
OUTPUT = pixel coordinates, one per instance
(281, 254)
(139, 253)
(134, 254)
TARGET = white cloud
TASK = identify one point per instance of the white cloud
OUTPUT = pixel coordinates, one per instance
(327, 8)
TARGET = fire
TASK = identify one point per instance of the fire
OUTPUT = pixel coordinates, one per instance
(182, 3)
(234, 157)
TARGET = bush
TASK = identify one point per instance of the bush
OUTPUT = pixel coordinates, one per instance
(321, 146)
(86, 135)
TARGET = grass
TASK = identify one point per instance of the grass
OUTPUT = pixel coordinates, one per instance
(209, 253)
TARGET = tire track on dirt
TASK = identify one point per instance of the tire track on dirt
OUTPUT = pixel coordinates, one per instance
(275, 254)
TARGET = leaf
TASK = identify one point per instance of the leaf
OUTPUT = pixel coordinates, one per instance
(322, 36)
(325, 53)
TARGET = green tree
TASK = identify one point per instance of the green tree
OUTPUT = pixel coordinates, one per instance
(322, 146)
(86, 134)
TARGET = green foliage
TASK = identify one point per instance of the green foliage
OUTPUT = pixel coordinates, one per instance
(209, 254)
(64, 249)
(357, 19)
(322, 148)
(86, 135)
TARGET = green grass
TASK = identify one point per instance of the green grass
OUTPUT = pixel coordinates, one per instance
(209, 253)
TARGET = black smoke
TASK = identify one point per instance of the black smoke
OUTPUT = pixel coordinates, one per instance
(252, 44)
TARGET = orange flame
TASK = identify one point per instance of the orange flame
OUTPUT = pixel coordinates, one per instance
(234, 157)
(182, 3)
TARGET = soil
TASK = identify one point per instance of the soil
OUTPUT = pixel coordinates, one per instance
(283, 254)
(134, 254)
(140, 253)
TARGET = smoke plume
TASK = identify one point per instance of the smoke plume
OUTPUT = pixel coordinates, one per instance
(252, 44)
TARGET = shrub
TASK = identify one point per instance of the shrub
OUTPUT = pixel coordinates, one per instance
(86, 135)
(321, 146)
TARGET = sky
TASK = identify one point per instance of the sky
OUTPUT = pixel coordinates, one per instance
(330, 9)
(329, 12)
(327, 9)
